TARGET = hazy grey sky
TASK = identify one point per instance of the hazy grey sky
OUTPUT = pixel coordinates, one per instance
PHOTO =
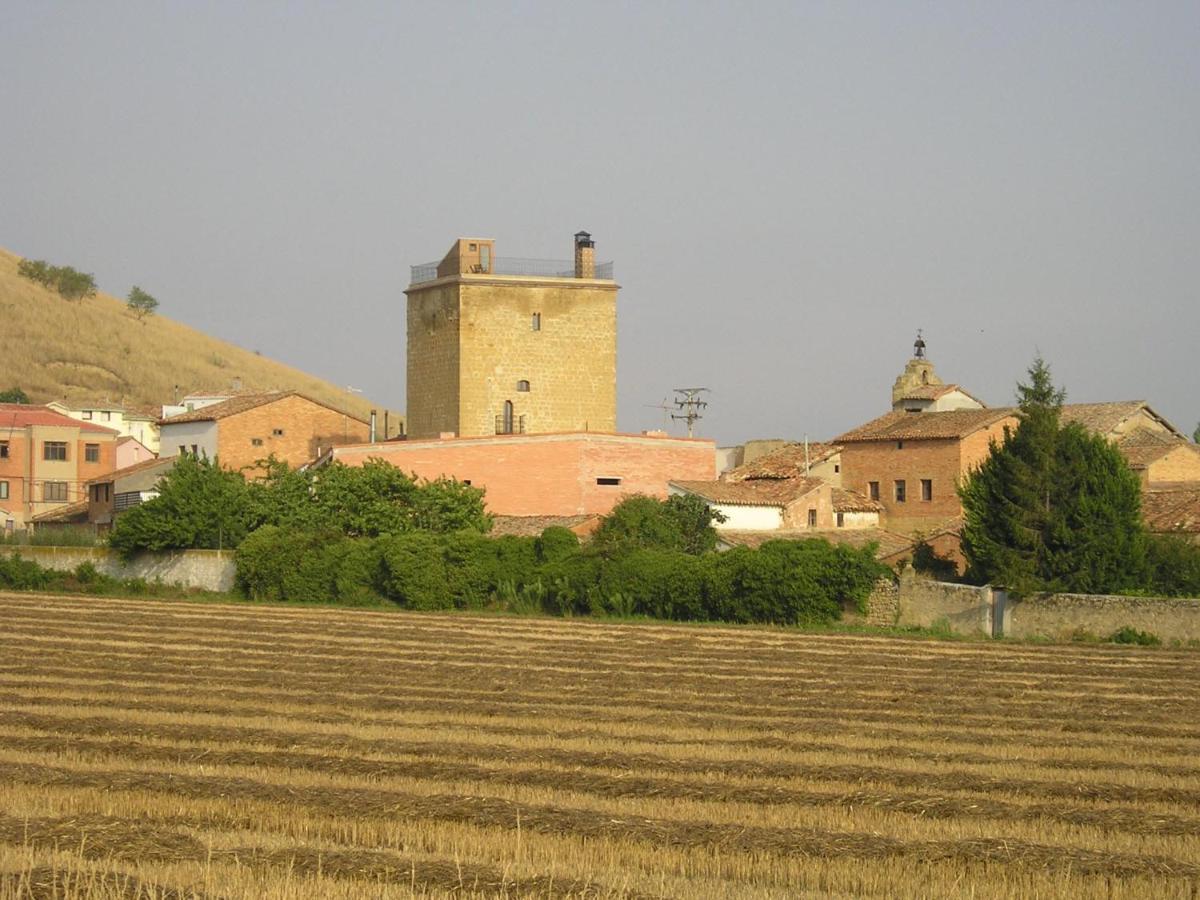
(788, 190)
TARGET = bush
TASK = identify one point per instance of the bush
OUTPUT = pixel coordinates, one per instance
(24, 574)
(556, 543)
(413, 571)
(1130, 635)
(1173, 566)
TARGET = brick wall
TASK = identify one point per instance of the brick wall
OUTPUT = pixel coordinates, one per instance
(942, 461)
(1181, 464)
(306, 428)
(546, 475)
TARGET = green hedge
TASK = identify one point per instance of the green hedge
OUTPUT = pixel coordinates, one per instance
(784, 582)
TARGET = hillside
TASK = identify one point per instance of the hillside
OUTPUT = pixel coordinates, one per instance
(96, 350)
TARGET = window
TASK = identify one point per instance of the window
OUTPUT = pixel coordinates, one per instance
(3, 490)
(87, 415)
(812, 518)
(523, 386)
(54, 492)
(54, 450)
(472, 247)
(899, 491)
(257, 442)
(101, 493)
(836, 468)
(536, 322)
(467, 482)
(608, 479)
(106, 416)
(873, 490)
(899, 445)
(926, 488)
(841, 519)
(277, 432)
(195, 451)
(182, 450)
(3, 449)
(91, 453)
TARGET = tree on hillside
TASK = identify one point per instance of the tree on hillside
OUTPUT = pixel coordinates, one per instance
(1196, 433)
(1053, 507)
(70, 283)
(140, 303)
(14, 395)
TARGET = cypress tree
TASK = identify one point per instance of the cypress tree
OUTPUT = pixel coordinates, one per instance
(1053, 508)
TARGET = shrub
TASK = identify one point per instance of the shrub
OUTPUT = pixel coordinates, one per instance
(413, 571)
(24, 574)
(1130, 635)
(556, 543)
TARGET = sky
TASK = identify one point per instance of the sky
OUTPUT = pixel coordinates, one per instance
(788, 190)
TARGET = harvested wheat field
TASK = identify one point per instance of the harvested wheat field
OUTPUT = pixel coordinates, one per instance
(155, 749)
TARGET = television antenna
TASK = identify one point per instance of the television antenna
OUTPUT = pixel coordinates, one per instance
(666, 409)
(689, 404)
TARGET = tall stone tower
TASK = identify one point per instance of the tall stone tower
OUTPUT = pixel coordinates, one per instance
(501, 345)
(918, 375)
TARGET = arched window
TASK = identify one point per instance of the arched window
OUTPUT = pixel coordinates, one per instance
(508, 417)
(523, 386)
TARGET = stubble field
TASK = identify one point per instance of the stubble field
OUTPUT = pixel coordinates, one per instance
(183, 750)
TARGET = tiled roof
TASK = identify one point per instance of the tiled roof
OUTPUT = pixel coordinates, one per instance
(853, 501)
(1142, 446)
(1102, 418)
(154, 468)
(1175, 509)
(759, 492)
(953, 424)
(889, 541)
(20, 415)
(934, 391)
(241, 404)
(68, 513)
(533, 526)
(786, 462)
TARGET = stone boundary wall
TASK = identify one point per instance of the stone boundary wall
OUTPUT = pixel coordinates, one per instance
(1060, 616)
(924, 603)
(210, 570)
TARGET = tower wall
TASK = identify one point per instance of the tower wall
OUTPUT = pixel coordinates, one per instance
(433, 360)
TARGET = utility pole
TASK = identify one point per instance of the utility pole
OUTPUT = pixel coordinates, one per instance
(689, 404)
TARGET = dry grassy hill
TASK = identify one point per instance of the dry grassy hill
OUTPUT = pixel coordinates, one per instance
(96, 350)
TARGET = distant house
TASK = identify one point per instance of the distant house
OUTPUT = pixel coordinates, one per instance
(788, 504)
(46, 458)
(1159, 457)
(793, 460)
(114, 493)
(130, 451)
(242, 431)
(890, 548)
(141, 425)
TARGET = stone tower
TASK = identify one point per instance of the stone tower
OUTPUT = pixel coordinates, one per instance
(918, 374)
(500, 345)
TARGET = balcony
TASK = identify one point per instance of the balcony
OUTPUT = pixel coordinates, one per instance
(512, 265)
(510, 425)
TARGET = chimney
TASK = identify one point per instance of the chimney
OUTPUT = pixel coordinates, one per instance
(372, 426)
(585, 255)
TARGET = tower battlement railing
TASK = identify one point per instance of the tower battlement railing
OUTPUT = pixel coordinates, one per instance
(512, 265)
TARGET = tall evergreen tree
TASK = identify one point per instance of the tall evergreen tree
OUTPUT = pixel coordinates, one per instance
(1053, 508)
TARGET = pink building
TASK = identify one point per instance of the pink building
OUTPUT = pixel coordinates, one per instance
(570, 474)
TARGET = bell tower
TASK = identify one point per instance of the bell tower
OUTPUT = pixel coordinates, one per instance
(918, 373)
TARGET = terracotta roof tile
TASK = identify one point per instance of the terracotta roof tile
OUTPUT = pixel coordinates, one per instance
(897, 426)
(759, 492)
(889, 542)
(935, 391)
(1101, 418)
(1176, 509)
(786, 462)
(533, 526)
(241, 404)
(68, 513)
(165, 463)
(21, 415)
(853, 501)
(1142, 446)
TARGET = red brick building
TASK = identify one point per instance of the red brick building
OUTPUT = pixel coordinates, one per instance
(46, 460)
(570, 474)
(911, 462)
(243, 430)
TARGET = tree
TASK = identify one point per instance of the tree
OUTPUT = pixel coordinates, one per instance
(640, 522)
(1053, 507)
(140, 303)
(74, 285)
(199, 506)
(1196, 434)
(14, 395)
